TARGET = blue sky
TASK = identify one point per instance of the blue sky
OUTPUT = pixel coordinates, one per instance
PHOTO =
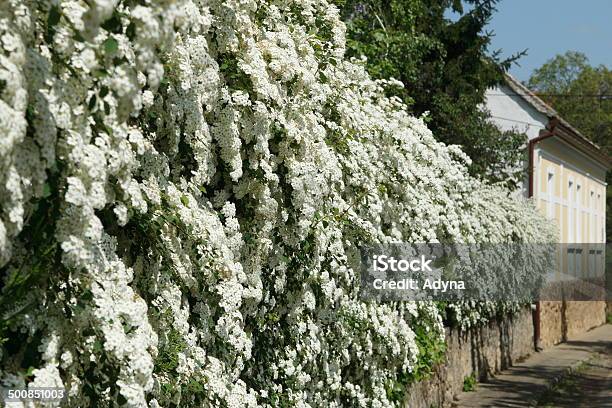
(550, 27)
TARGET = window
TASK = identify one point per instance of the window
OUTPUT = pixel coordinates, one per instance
(570, 211)
(551, 193)
(603, 236)
(592, 263)
(600, 266)
(593, 221)
(578, 205)
(571, 261)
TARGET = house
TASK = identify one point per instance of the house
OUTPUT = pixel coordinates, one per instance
(566, 177)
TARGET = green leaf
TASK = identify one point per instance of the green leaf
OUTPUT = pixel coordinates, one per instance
(111, 45)
(54, 16)
(52, 20)
(92, 102)
(130, 32)
(30, 371)
(46, 190)
(185, 200)
(103, 91)
(113, 24)
(99, 73)
(78, 37)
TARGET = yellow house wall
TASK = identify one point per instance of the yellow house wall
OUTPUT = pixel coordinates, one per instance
(580, 217)
(591, 211)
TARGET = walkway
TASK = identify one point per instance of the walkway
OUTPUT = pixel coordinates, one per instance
(524, 384)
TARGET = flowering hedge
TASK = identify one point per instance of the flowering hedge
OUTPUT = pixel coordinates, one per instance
(184, 187)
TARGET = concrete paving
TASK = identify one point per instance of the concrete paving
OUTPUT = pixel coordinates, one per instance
(526, 382)
(590, 386)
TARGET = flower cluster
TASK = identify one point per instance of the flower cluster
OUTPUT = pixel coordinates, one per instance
(184, 189)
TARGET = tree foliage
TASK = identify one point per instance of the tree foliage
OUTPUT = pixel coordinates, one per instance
(582, 94)
(446, 68)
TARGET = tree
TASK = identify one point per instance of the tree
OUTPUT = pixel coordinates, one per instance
(582, 94)
(445, 67)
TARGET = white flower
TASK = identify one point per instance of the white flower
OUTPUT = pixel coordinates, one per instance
(213, 168)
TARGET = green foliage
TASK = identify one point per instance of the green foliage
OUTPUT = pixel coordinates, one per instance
(565, 387)
(167, 360)
(445, 67)
(18, 279)
(582, 94)
(111, 45)
(469, 383)
(432, 350)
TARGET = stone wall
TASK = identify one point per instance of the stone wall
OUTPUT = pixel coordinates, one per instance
(481, 351)
(552, 323)
(486, 350)
(584, 316)
(563, 320)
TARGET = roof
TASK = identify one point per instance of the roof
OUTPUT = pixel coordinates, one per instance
(563, 127)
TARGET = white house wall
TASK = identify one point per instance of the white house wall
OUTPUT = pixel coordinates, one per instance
(510, 112)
